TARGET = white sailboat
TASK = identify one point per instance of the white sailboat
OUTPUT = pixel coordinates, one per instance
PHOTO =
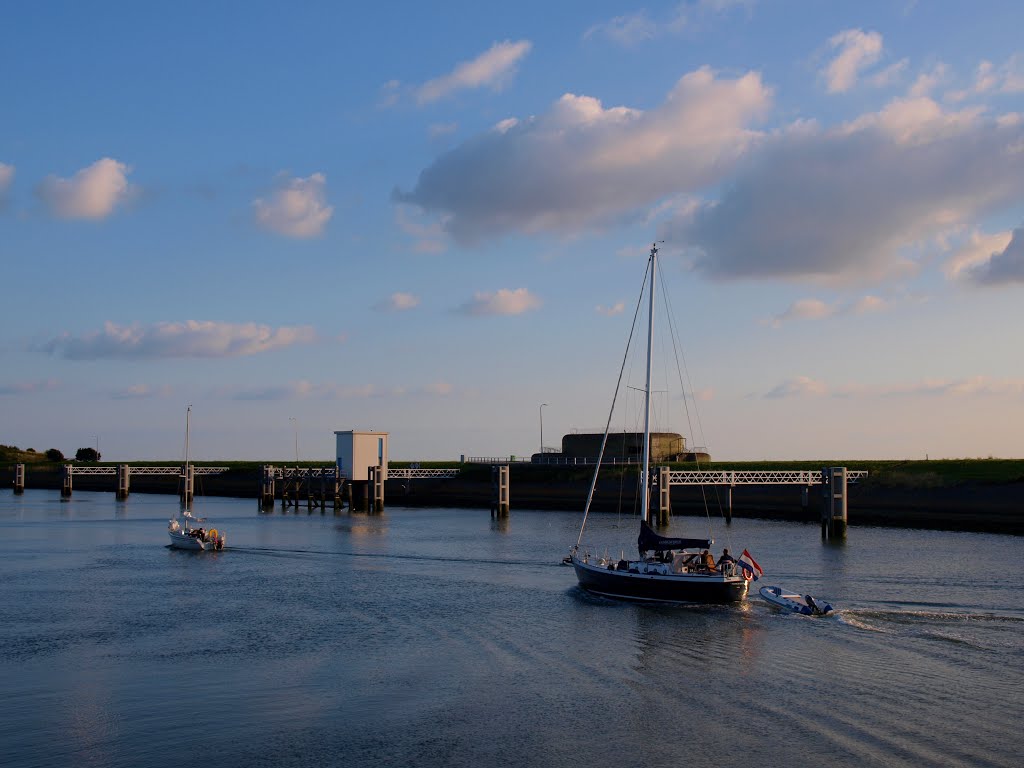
(182, 529)
(674, 570)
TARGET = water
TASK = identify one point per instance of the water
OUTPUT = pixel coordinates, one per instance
(441, 637)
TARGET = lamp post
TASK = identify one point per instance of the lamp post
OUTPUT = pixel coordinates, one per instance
(541, 409)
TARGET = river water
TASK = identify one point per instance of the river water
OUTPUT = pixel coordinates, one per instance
(433, 637)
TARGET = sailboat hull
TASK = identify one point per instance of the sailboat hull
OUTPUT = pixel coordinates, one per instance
(184, 541)
(662, 588)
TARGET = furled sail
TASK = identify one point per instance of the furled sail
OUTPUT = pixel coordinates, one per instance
(649, 541)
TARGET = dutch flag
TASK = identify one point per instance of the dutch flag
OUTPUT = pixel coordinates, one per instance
(751, 570)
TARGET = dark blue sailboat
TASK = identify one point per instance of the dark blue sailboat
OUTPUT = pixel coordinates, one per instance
(675, 570)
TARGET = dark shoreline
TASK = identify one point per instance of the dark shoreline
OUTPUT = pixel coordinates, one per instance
(969, 507)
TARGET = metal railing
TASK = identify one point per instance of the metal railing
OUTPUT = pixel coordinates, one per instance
(146, 470)
(765, 477)
(413, 473)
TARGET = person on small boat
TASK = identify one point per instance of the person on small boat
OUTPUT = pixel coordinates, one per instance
(708, 560)
(726, 558)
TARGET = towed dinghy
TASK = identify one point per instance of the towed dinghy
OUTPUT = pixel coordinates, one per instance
(795, 603)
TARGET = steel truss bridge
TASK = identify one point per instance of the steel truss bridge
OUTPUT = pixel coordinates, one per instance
(760, 477)
(146, 470)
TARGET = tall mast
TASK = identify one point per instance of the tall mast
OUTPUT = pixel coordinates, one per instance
(645, 475)
(188, 419)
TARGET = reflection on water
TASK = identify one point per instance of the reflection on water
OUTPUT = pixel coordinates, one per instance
(447, 637)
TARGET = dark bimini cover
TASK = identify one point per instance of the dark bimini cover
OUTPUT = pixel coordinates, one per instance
(649, 541)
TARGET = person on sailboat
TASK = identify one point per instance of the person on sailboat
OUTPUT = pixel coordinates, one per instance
(708, 560)
(726, 558)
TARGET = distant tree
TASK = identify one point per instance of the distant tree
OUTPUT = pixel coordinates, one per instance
(87, 454)
(30, 450)
(53, 454)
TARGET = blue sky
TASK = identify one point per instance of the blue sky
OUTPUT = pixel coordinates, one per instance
(430, 219)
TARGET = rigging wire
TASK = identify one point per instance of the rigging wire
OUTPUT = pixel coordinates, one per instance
(611, 411)
(688, 394)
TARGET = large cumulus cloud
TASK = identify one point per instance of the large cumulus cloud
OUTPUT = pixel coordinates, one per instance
(581, 163)
(851, 199)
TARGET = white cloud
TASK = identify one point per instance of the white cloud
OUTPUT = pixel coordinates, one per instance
(633, 28)
(800, 386)
(141, 392)
(614, 309)
(440, 130)
(626, 30)
(866, 304)
(492, 68)
(804, 309)
(978, 250)
(92, 193)
(304, 389)
(816, 309)
(583, 165)
(437, 388)
(390, 93)
(891, 74)
(972, 386)
(398, 302)
(297, 208)
(1013, 75)
(1000, 266)
(502, 302)
(849, 202)
(928, 81)
(29, 387)
(858, 50)
(192, 338)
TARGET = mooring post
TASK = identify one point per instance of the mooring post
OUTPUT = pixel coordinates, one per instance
(266, 490)
(123, 473)
(500, 490)
(378, 488)
(19, 479)
(65, 485)
(664, 497)
(337, 487)
(833, 509)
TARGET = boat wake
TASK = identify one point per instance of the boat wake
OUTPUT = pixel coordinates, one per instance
(956, 627)
(280, 552)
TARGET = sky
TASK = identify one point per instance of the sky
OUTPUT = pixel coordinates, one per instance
(432, 219)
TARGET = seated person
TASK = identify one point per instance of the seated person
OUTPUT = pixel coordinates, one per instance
(708, 560)
(726, 558)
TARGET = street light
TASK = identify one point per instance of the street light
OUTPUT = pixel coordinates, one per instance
(541, 409)
(295, 424)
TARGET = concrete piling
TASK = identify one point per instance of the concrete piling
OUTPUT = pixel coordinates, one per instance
(65, 481)
(123, 474)
(19, 479)
(499, 490)
(833, 508)
(377, 487)
(266, 489)
(664, 497)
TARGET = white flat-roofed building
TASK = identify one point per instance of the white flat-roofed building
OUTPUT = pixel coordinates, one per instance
(358, 450)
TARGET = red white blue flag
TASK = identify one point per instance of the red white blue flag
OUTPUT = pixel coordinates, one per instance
(751, 570)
